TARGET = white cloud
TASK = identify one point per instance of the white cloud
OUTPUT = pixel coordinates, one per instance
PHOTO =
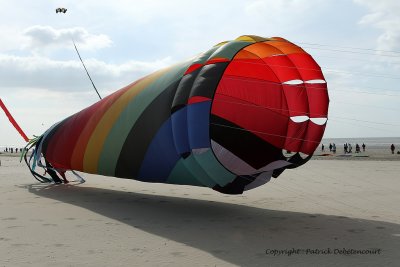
(10, 39)
(41, 72)
(40, 38)
(384, 16)
(275, 9)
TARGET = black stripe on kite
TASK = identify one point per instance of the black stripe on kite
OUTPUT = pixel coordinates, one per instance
(244, 144)
(183, 91)
(143, 132)
(208, 79)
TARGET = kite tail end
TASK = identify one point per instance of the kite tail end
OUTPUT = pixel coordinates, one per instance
(35, 160)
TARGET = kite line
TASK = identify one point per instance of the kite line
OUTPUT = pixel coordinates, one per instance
(64, 10)
(90, 78)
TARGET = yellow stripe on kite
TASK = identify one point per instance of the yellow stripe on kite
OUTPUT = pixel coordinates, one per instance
(100, 133)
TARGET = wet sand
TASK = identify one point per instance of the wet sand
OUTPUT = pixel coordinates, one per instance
(323, 206)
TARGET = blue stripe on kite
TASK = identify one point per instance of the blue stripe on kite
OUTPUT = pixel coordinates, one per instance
(180, 130)
(198, 120)
(161, 156)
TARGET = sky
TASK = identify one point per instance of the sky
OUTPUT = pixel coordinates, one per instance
(42, 81)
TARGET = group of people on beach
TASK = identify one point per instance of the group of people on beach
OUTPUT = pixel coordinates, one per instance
(12, 149)
(332, 148)
(348, 148)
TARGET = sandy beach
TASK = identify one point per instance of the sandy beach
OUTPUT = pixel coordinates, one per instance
(326, 212)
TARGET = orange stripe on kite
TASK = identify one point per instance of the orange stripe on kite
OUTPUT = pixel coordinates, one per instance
(13, 122)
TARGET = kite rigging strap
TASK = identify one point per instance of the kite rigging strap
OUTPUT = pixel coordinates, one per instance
(32, 164)
(244, 182)
(296, 160)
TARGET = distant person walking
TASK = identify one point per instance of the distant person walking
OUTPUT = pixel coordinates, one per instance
(363, 146)
(330, 147)
(345, 148)
(334, 148)
(357, 148)
(323, 148)
(392, 147)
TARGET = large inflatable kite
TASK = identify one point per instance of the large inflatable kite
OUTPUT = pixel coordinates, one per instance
(220, 120)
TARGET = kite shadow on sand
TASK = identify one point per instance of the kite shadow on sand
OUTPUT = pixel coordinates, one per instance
(237, 233)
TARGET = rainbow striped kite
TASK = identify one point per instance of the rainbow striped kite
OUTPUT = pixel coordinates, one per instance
(220, 120)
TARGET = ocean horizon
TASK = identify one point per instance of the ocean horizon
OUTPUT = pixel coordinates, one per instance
(368, 141)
